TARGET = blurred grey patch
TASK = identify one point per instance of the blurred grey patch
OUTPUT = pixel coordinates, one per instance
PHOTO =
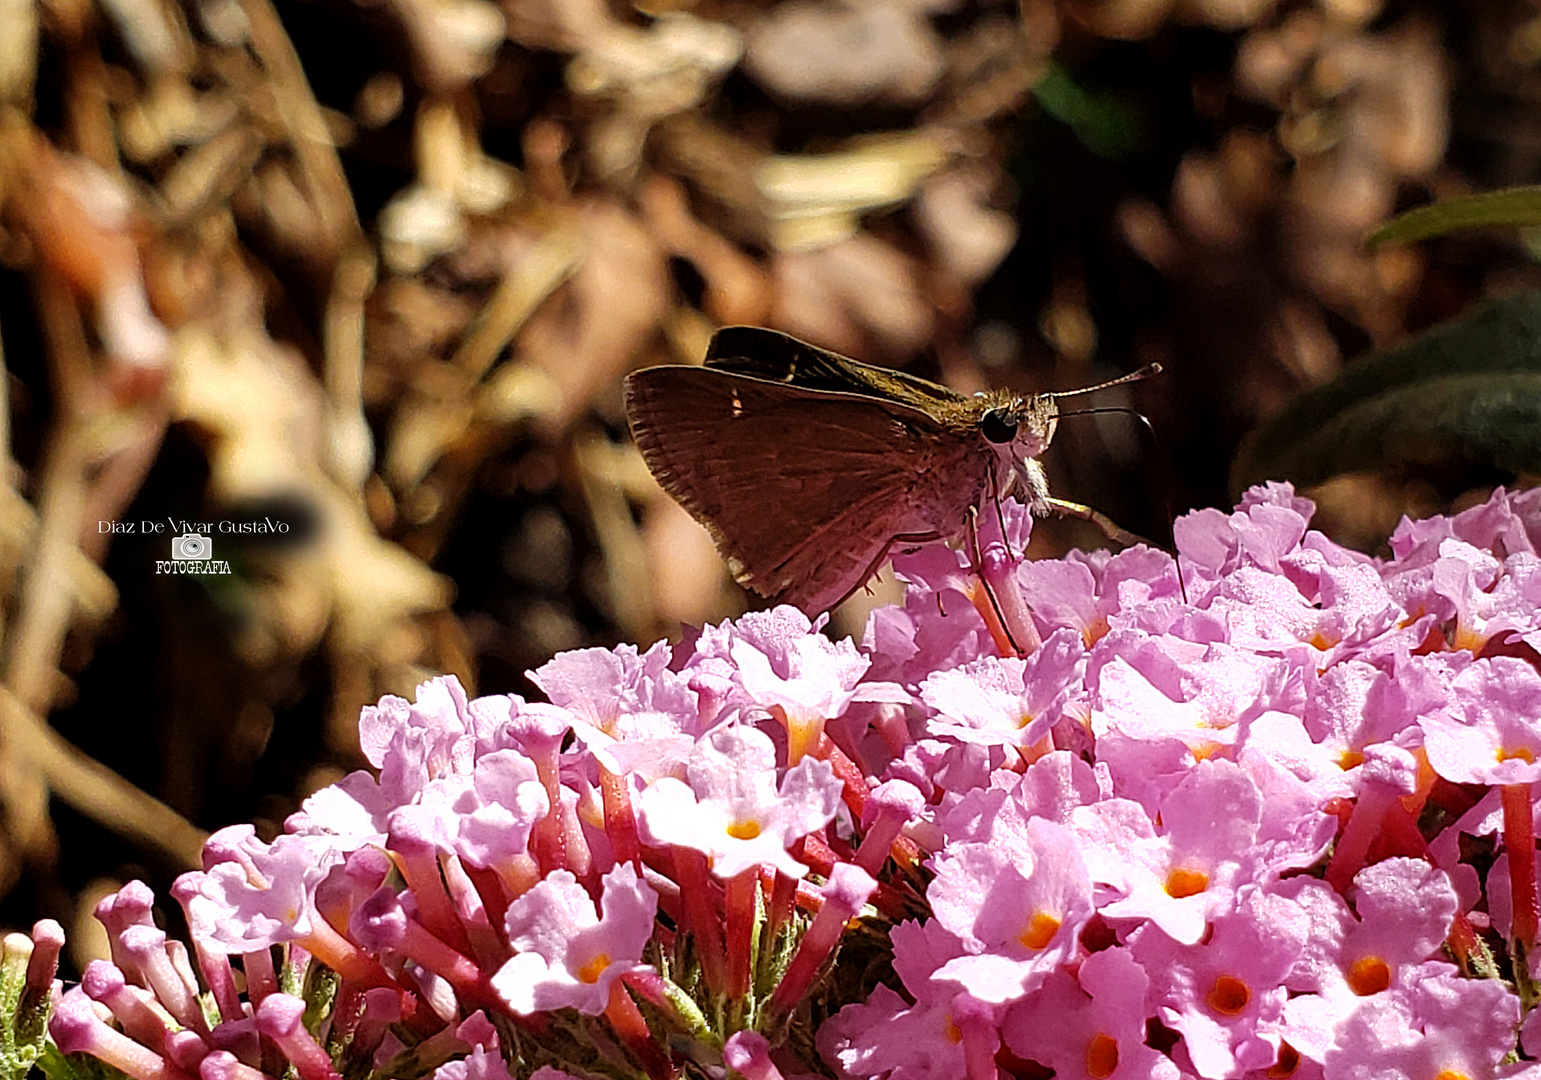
(997, 345)
(539, 553)
(549, 630)
(1122, 435)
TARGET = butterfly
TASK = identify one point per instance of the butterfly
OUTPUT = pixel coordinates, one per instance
(807, 467)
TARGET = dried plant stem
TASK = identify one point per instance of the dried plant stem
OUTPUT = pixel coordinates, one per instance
(301, 116)
(9, 473)
(47, 601)
(523, 289)
(31, 666)
(629, 594)
(351, 455)
(95, 790)
(56, 587)
(118, 481)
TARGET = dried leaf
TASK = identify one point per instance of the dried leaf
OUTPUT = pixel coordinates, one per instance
(845, 54)
(845, 295)
(814, 201)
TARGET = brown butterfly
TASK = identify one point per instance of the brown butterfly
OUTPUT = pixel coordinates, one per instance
(807, 467)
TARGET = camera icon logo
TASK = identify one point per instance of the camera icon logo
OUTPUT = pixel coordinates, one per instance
(191, 546)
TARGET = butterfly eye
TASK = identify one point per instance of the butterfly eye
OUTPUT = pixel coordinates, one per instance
(999, 425)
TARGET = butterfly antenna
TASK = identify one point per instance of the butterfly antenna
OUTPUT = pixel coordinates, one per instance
(1100, 410)
(1134, 376)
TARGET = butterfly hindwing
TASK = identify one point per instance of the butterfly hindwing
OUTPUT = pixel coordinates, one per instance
(748, 458)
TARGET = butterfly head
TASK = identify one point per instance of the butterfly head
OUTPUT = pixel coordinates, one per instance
(1019, 427)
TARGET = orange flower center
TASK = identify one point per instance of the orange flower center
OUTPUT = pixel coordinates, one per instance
(744, 830)
(1286, 1064)
(1368, 975)
(1041, 929)
(1101, 1056)
(1229, 996)
(1182, 881)
(590, 972)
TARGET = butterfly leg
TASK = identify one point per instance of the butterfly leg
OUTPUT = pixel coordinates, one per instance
(1000, 515)
(882, 555)
(916, 538)
(1079, 510)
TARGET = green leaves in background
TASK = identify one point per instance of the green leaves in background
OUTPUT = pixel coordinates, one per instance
(1108, 124)
(1512, 207)
(1466, 393)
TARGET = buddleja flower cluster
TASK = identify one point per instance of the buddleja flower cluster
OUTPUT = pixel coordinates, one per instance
(1269, 817)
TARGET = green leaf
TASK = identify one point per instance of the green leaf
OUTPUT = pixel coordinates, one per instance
(1106, 124)
(1467, 393)
(57, 1066)
(23, 1015)
(1511, 208)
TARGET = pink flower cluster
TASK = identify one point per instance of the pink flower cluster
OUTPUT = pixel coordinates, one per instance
(1272, 816)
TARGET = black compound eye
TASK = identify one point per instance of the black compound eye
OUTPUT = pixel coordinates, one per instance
(999, 425)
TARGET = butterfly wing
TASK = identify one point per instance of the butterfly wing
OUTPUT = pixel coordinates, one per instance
(775, 357)
(803, 490)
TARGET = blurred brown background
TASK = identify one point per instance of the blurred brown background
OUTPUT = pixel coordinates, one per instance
(374, 269)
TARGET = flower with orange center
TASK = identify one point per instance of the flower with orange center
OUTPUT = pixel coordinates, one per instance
(1101, 1056)
(1040, 930)
(1229, 996)
(1184, 881)
(1368, 975)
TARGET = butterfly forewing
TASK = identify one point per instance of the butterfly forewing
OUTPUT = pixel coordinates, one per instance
(841, 466)
(766, 354)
